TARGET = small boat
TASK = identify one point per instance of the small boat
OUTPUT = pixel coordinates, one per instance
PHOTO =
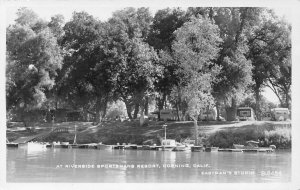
(35, 146)
(101, 146)
(92, 145)
(131, 146)
(238, 146)
(182, 147)
(64, 144)
(168, 144)
(146, 147)
(211, 149)
(197, 148)
(118, 146)
(12, 145)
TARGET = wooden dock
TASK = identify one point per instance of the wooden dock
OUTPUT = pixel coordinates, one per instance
(246, 150)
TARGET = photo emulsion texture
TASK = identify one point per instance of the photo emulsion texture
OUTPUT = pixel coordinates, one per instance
(198, 94)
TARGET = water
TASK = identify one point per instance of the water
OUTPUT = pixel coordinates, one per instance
(57, 165)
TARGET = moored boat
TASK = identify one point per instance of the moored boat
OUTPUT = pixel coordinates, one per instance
(35, 146)
(12, 145)
(211, 149)
(197, 148)
(65, 144)
(182, 147)
(101, 146)
(168, 144)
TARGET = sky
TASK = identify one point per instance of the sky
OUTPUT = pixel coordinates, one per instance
(45, 11)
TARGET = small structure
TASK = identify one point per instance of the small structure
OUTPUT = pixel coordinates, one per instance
(245, 114)
(168, 114)
(208, 114)
(280, 114)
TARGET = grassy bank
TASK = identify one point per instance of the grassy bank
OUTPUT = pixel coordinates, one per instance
(221, 134)
(267, 135)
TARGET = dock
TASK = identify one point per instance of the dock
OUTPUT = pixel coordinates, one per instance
(246, 150)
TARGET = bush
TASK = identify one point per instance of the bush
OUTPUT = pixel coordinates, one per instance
(280, 137)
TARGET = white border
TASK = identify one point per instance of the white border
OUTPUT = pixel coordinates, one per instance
(294, 5)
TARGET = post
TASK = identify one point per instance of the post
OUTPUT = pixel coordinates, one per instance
(75, 135)
(165, 126)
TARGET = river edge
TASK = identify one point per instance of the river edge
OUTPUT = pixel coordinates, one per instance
(220, 134)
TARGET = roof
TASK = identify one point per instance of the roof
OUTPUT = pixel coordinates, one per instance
(244, 108)
(252, 142)
(280, 109)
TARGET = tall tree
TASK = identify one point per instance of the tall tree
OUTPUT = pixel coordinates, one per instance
(196, 46)
(137, 68)
(269, 49)
(88, 71)
(236, 75)
(161, 37)
(33, 59)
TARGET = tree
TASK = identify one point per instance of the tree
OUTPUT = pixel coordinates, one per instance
(33, 59)
(88, 73)
(136, 60)
(195, 48)
(236, 75)
(279, 76)
(269, 48)
(161, 37)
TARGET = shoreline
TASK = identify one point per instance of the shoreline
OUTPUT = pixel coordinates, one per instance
(220, 134)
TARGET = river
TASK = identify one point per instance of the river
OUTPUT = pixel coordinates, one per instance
(92, 165)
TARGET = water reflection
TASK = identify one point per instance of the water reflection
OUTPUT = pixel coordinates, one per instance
(51, 166)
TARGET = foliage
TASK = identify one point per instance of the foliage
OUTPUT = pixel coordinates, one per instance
(33, 59)
(192, 59)
(195, 48)
(280, 137)
(116, 110)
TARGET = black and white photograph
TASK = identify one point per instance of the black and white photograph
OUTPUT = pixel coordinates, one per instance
(148, 93)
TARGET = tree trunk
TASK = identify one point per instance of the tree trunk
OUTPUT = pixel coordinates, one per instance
(146, 106)
(177, 111)
(101, 106)
(142, 118)
(161, 102)
(218, 111)
(196, 131)
(231, 111)
(128, 109)
(136, 110)
(257, 104)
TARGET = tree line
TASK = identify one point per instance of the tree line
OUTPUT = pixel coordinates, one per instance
(192, 59)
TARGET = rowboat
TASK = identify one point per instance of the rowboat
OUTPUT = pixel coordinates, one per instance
(197, 148)
(12, 145)
(182, 147)
(101, 146)
(211, 149)
(35, 146)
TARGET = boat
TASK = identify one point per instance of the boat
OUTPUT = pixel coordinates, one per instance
(182, 147)
(238, 146)
(101, 146)
(168, 144)
(197, 148)
(146, 147)
(64, 144)
(12, 145)
(131, 146)
(211, 149)
(36, 146)
(56, 145)
(92, 145)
